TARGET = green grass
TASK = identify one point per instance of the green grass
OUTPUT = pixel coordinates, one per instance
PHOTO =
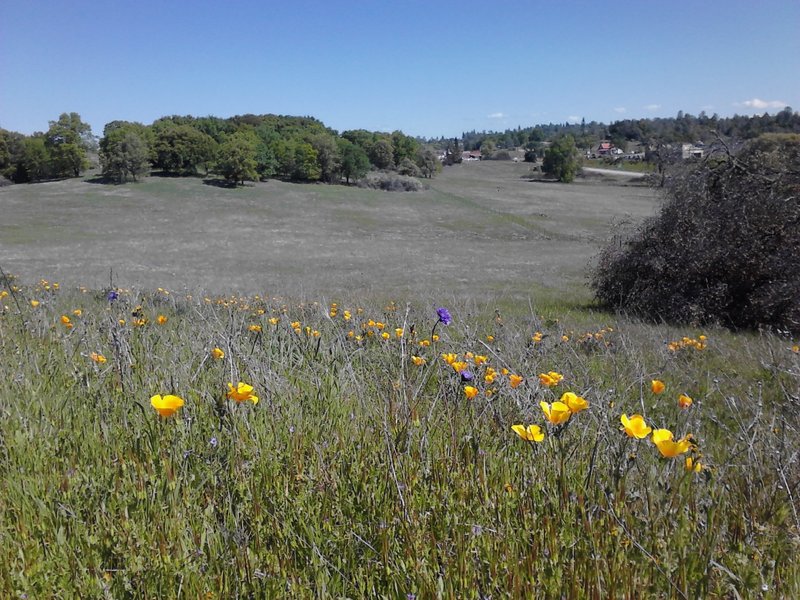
(359, 474)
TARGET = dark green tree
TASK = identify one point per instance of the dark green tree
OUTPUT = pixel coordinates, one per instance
(428, 163)
(124, 153)
(66, 142)
(382, 154)
(403, 146)
(181, 148)
(561, 159)
(236, 160)
(329, 159)
(35, 160)
(355, 162)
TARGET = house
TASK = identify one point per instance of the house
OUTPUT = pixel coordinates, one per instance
(471, 155)
(604, 149)
(696, 150)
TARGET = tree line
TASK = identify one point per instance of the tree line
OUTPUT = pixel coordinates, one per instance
(241, 148)
(683, 128)
(257, 147)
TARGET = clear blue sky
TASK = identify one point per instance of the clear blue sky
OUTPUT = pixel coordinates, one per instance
(426, 67)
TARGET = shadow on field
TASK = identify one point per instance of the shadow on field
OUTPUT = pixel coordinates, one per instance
(102, 180)
(220, 183)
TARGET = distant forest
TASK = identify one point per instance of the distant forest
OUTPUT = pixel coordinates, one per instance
(258, 147)
(684, 128)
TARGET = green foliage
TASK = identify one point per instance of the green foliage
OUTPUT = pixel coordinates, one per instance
(329, 158)
(428, 163)
(306, 167)
(409, 168)
(381, 154)
(561, 160)
(360, 474)
(403, 147)
(181, 148)
(236, 159)
(66, 141)
(34, 164)
(725, 247)
(124, 151)
(355, 162)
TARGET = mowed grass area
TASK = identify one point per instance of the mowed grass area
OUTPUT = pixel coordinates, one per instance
(373, 465)
(481, 230)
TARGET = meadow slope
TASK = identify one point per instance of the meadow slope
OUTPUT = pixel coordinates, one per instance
(481, 229)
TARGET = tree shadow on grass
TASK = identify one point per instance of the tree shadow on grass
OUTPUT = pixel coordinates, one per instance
(221, 183)
(103, 180)
(176, 174)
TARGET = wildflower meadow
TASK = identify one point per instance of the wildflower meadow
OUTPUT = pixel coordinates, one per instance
(164, 445)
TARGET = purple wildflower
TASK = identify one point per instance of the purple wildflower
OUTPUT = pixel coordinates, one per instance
(466, 375)
(444, 316)
(112, 295)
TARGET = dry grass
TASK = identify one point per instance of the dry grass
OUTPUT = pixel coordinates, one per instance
(482, 230)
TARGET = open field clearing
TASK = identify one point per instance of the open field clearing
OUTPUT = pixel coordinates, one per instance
(480, 230)
(332, 434)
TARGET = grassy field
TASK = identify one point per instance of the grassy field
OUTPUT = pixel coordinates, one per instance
(481, 230)
(378, 459)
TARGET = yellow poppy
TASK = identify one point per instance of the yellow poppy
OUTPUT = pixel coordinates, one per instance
(450, 358)
(693, 465)
(242, 392)
(217, 353)
(557, 413)
(575, 403)
(77, 312)
(635, 426)
(684, 401)
(98, 358)
(533, 433)
(418, 360)
(515, 380)
(669, 448)
(167, 405)
(161, 320)
(657, 386)
(34, 303)
(550, 379)
(470, 392)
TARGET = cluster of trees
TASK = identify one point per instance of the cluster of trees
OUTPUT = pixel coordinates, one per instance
(241, 148)
(60, 152)
(253, 147)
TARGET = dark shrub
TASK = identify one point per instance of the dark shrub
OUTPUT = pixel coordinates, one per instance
(724, 249)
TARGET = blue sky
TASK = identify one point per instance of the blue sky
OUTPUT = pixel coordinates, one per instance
(427, 67)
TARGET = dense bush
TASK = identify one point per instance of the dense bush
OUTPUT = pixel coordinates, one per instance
(724, 249)
(391, 182)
